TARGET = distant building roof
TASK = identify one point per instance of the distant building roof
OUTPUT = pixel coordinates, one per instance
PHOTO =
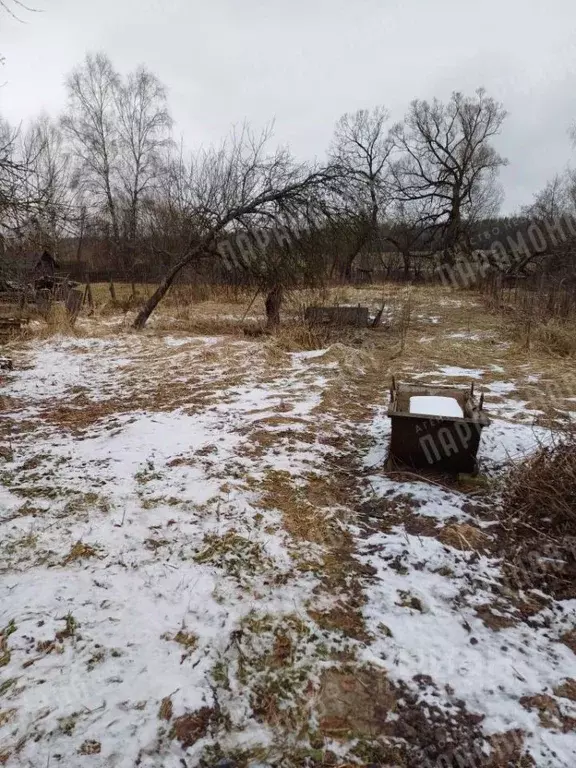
(30, 261)
(27, 266)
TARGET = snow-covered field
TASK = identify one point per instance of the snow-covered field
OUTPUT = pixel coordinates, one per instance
(201, 559)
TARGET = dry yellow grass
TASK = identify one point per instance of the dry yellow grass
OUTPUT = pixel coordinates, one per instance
(423, 329)
(555, 338)
(79, 551)
(464, 537)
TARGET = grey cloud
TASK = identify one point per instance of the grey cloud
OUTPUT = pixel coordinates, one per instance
(305, 62)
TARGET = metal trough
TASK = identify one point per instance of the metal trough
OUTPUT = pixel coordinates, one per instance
(439, 443)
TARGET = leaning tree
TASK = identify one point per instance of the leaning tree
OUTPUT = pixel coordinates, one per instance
(237, 186)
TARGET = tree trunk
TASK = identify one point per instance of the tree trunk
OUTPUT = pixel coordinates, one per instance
(351, 259)
(156, 297)
(406, 258)
(89, 298)
(361, 242)
(453, 233)
(273, 304)
(81, 238)
(164, 286)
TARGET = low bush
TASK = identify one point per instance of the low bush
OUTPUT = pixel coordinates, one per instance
(539, 519)
(540, 492)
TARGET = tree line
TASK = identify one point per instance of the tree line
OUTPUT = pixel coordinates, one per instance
(109, 168)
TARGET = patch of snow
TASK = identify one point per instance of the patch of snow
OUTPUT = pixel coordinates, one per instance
(504, 440)
(429, 500)
(424, 374)
(144, 488)
(468, 335)
(454, 370)
(421, 608)
(514, 409)
(308, 355)
(147, 488)
(501, 387)
(490, 671)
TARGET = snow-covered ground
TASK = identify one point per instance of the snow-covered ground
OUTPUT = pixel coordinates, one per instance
(168, 517)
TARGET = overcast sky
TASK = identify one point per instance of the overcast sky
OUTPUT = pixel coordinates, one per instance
(305, 62)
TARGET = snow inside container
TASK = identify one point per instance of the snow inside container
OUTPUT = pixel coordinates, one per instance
(435, 405)
(435, 427)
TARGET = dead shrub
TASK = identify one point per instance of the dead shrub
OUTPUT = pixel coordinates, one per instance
(56, 321)
(57, 317)
(539, 515)
(305, 337)
(540, 492)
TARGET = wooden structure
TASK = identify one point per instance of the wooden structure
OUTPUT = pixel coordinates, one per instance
(18, 301)
(9, 326)
(433, 442)
(29, 268)
(73, 304)
(354, 316)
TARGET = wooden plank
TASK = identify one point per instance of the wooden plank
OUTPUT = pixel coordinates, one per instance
(74, 303)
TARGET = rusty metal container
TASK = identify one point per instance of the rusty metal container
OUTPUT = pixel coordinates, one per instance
(439, 443)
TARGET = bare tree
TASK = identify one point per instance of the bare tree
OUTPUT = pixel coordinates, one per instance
(48, 181)
(238, 184)
(409, 228)
(554, 206)
(168, 219)
(33, 185)
(144, 126)
(12, 176)
(277, 255)
(21, 198)
(447, 159)
(12, 171)
(361, 149)
(119, 132)
(553, 200)
(91, 125)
